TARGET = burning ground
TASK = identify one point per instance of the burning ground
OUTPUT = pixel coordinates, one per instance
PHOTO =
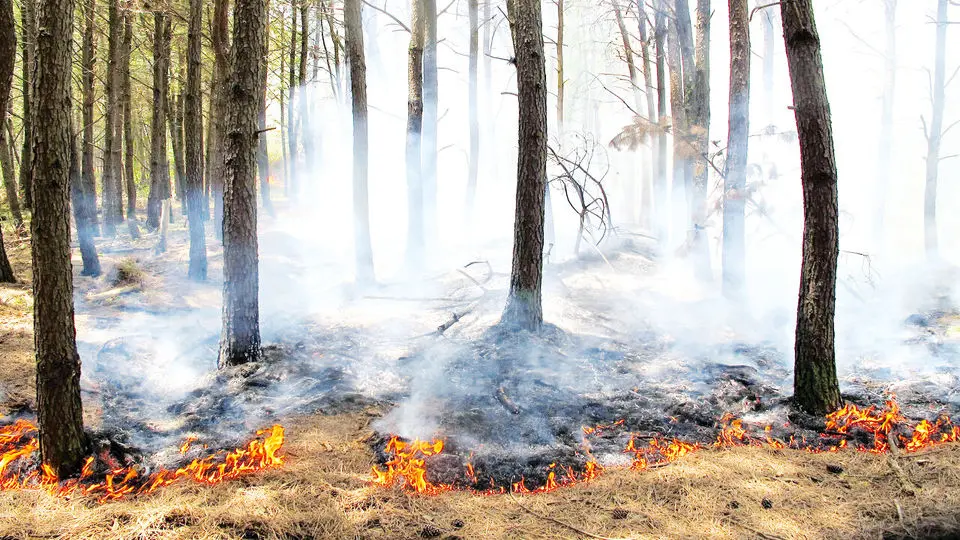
(346, 371)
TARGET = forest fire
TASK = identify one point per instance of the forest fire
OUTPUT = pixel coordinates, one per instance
(408, 464)
(18, 443)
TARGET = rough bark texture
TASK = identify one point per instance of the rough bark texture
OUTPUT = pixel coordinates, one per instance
(473, 120)
(110, 181)
(89, 61)
(28, 19)
(128, 126)
(935, 135)
(159, 167)
(240, 339)
(816, 389)
(735, 175)
(429, 132)
(63, 443)
(192, 132)
(415, 225)
(524, 308)
(219, 96)
(8, 55)
(358, 93)
(263, 159)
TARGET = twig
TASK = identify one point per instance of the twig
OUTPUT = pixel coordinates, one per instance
(754, 531)
(388, 14)
(557, 521)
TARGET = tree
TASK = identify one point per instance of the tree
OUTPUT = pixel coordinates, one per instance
(8, 55)
(415, 225)
(63, 443)
(263, 159)
(358, 94)
(131, 183)
(219, 93)
(175, 119)
(648, 208)
(661, 209)
(82, 212)
(192, 132)
(700, 124)
(28, 18)
(6, 156)
(934, 134)
(473, 122)
(430, 120)
(291, 184)
(110, 181)
(159, 167)
(735, 174)
(306, 135)
(88, 180)
(524, 307)
(240, 339)
(816, 389)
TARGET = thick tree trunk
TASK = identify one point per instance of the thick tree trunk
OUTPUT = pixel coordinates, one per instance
(292, 180)
(735, 175)
(159, 167)
(263, 158)
(128, 126)
(219, 97)
(28, 20)
(429, 133)
(8, 55)
(660, 190)
(415, 225)
(240, 339)
(89, 61)
(473, 113)
(935, 134)
(524, 308)
(110, 181)
(885, 150)
(816, 389)
(63, 443)
(358, 93)
(193, 146)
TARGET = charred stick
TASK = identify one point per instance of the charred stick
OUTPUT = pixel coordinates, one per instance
(505, 400)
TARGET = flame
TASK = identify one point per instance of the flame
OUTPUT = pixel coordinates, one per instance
(18, 442)
(407, 466)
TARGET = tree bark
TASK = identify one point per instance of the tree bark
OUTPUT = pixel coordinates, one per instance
(473, 113)
(192, 132)
(647, 193)
(700, 119)
(306, 126)
(219, 93)
(660, 197)
(159, 167)
(110, 181)
(89, 61)
(175, 118)
(292, 182)
(63, 443)
(263, 157)
(415, 225)
(816, 389)
(240, 339)
(935, 134)
(83, 216)
(8, 55)
(429, 132)
(524, 307)
(128, 126)
(28, 19)
(735, 174)
(358, 92)
(6, 157)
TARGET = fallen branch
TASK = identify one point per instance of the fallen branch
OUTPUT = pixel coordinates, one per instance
(557, 521)
(113, 293)
(905, 483)
(505, 400)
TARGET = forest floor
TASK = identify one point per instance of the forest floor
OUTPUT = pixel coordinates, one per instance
(323, 490)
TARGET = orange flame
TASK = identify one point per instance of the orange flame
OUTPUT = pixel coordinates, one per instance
(19, 440)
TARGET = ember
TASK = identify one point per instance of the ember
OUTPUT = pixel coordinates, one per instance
(18, 442)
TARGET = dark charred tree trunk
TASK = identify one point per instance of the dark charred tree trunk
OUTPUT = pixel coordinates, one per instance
(240, 339)
(358, 93)
(524, 307)
(885, 150)
(89, 60)
(219, 97)
(8, 55)
(428, 139)
(816, 389)
(661, 202)
(159, 167)
(292, 182)
(934, 135)
(473, 167)
(110, 182)
(263, 158)
(193, 146)
(415, 225)
(82, 215)
(63, 443)
(28, 19)
(735, 175)
(131, 183)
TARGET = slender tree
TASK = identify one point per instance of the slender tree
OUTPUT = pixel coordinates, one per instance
(735, 174)
(649, 91)
(700, 120)
(28, 20)
(306, 131)
(524, 307)
(110, 182)
(8, 55)
(816, 389)
(82, 216)
(193, 146)
(63, 443)
(415, 225)
(219, 96)
(263, 159)
(175, 119)
(473, 112)
(159, 166)
(6, 160)
(934, 133)
(661, 208)
(89, 62)
(430, 120)
(128, 143)
(292, 181)
(768, 16)
(240, 339)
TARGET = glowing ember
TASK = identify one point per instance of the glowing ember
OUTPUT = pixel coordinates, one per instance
(18, 442)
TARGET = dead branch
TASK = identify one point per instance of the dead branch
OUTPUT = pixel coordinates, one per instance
(505, 400)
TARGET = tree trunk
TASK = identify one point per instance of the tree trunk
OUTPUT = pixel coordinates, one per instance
(306, 126)
(358, 92)
(263, 157)
(192, 133)
(8, 55)
(429, 133)
(768, 16)
(128, 126)
(816, 389)
(284, 127)
(735, 174)
(159, 167)
(6, 158)
(292, 182)
(415, 226)
(473, 113)
(681, 140)
(89, 61)
(219, 97)
(647, 193)
(109, 179)
(240, 339)
(628, 56)
(700, 122)
(175, 118)
(28, 19)
(524, 307)
(660, 190)
(935, 134)
(63, 443)
(83, 216)
(885, 153)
